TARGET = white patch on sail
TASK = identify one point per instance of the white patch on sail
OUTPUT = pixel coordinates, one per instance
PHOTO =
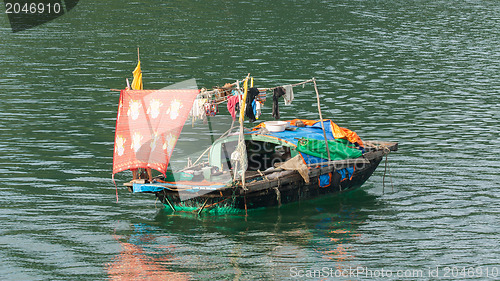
(173, 110)
(120, 145)
(169, 143)
(154, 108)
(133, 110)
(155, 137)
(136, 141)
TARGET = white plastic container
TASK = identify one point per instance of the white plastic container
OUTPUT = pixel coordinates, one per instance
(276, 126)
(207, 172)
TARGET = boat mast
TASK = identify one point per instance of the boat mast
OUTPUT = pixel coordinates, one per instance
(241, 139)
(321, 119)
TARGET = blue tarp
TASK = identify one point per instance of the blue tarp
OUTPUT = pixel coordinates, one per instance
(159, 186)
(314, 132)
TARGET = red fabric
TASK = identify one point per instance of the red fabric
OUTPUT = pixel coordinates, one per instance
(148, 125)
(231, 105)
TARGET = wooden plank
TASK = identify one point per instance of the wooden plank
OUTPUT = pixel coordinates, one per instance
(374, 154)
(313, 172)
(392, 146)
(263, 184)
(338, 164)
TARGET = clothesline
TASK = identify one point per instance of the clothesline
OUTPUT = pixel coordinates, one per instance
(209, 94)
(208, 101)
(293, 85)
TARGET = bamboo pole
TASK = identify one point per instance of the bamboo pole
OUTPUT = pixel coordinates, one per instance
(293, 85)
(243, 104)
(235, 168)
(241, 139)
(321, 119)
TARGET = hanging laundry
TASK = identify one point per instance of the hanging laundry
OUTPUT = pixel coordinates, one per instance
(198, 109)
(256, 105)
(346, 173)
(238, 104)
(262, 96)
(211, 109)
(254, 108)
(251, 94)
(232, 101)
(288, 94)
(325, 180)
(277, 93)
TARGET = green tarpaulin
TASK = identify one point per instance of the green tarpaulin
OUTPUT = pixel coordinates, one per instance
(339, 149)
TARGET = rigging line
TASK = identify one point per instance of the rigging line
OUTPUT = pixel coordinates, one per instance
(390, 177)
(385, 172)
(116, 187)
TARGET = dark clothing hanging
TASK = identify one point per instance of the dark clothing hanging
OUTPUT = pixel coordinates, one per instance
(251, 94)
(277, 93)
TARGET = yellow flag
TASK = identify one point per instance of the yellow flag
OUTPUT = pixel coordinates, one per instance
(243, 103)
(137, 82)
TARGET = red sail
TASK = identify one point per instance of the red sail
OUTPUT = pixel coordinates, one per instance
(148, 125)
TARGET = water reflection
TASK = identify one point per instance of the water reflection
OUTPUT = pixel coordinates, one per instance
(265, 244)
(142, 258)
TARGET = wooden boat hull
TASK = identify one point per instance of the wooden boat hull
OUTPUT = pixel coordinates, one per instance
(268, 193)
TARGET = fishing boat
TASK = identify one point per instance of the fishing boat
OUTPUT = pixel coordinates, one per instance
(267, 165)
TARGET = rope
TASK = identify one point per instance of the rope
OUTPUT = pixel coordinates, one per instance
(278, 195)
(386, 152)
(390, 176)
(116, 187)
(383, 178)
(241, 150)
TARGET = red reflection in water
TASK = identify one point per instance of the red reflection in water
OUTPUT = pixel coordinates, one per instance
(133, 263)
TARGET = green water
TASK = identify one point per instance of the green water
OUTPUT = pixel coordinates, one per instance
(423, 73)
